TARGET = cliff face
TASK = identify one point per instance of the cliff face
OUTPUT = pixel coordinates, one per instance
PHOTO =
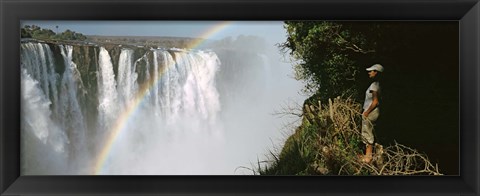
(82, 92)
(239, 68)
(85, 56)
(89, 91)
(329, 142)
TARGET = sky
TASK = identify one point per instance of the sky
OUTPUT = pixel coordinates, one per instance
(272, 31)
(240, 120)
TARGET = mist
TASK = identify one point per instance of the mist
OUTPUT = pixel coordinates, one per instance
(212, 112)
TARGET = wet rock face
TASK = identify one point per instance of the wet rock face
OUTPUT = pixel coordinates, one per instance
(85, 89)
(85, 56)
(239, 69)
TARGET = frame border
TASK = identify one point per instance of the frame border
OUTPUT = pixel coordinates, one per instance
(467, 12)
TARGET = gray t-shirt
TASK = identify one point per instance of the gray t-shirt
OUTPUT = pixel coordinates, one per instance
(375, 86)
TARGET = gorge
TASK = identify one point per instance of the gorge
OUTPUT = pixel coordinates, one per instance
(123, 109)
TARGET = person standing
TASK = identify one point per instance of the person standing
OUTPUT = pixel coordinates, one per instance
(371, 110)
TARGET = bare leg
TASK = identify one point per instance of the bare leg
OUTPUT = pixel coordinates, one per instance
(368, 154)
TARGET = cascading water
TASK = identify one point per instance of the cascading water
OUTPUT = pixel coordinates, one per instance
(184, 94)
(127, 78)
(44, 144)
(107, 91)
(157, 113)
(38, 58)
(70, 110)
(43, 139)
(176, 132)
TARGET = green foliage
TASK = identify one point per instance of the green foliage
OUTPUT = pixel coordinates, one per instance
(46, 34)
(323, 59)
(297, 154)
(69, 35)
(330, 55)
(304, 152)
(24, 33)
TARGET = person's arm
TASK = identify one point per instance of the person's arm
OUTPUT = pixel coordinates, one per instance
(373, 105)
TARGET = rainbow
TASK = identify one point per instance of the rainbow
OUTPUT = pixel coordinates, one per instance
(133, 105)
(209, 33)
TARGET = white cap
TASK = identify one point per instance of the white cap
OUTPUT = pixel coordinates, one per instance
(376, 67)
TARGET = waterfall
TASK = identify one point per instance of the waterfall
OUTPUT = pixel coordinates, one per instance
(143, 111)
(107, 90)
(176, 119)
(127, 77)
(155, 78)
(180, 91)
(51, 110)
(169, 81)
(73, 120)
(42, 138)
(38, 59)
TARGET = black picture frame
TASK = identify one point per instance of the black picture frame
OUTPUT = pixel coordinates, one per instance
(467, 12)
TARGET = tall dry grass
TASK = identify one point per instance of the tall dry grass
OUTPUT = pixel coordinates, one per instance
(328, 142)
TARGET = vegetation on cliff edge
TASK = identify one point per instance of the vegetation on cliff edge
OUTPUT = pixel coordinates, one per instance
(328, 142)
(330, 58)
(37, 32)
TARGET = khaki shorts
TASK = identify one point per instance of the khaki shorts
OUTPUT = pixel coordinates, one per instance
(368, 126)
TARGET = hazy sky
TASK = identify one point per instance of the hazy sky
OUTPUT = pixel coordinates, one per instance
(272, 31)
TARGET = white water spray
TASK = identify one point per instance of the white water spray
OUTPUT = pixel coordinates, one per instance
(127, 77)
(73, 120)
(107, 91)
(182, 126)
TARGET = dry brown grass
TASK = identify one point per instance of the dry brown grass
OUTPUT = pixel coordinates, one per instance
(329, 142)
